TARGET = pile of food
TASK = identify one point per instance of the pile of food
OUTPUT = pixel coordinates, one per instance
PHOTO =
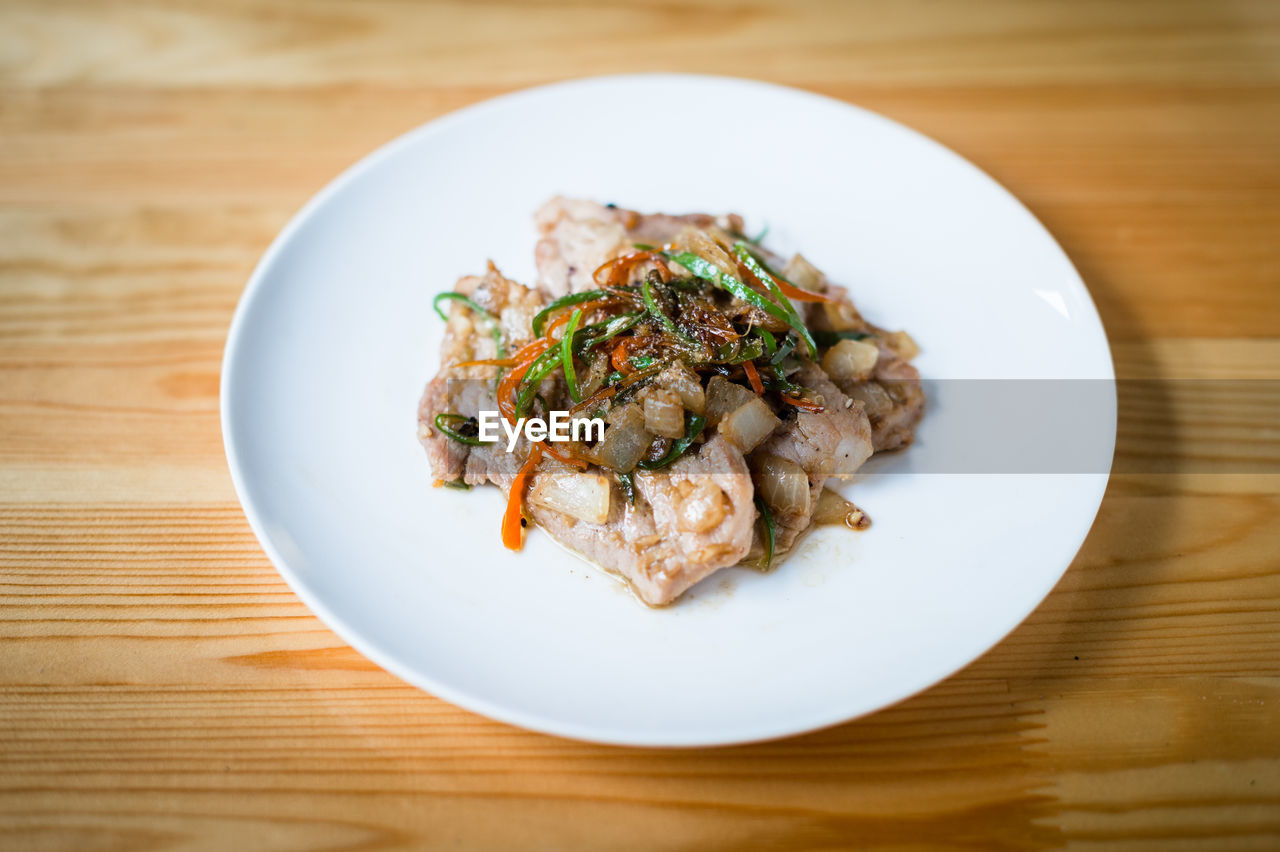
(733, 385)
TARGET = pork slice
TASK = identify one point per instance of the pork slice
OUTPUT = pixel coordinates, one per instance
(892, 394)
(687, 522)
(470, 390)
(832, 442)
(901, 406)
(578, 236)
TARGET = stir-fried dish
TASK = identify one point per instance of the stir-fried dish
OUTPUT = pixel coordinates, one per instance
(727, 386)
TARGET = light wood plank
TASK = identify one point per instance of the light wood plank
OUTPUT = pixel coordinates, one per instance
(160, 687)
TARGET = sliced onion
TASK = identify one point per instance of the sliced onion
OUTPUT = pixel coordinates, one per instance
(902, 344)
(842, 316)
(724, 396)
(584, 496)
(663, 413)
(685, 383)
(782, 483)
(625, 441)
(832, 509)
(750, 424)
(850, 360)
(800, 272)
(700, 243)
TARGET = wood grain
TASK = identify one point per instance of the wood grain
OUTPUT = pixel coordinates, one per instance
(161, 688)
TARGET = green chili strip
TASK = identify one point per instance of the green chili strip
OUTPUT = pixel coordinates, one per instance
(435, 303)
(611, 329)
(642, 246)
(770, 343)
(541, 367)
(793, 316)
(773, 379)
(646, 289)
(641, 361)
(708, 270)
(783, 351)
(831, 338)
(494, 328)
(749, 351)
(566, 354)
(540, 319)
(759, 238)
(468, 423)
(770, 532)
(693, 428)
(628, 487)
(456, 483)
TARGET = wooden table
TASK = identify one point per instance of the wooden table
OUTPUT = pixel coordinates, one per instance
(160, 687)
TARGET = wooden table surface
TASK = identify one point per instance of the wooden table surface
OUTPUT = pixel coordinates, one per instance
(160, 687)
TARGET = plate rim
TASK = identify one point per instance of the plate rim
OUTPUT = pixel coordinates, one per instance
(603, 733)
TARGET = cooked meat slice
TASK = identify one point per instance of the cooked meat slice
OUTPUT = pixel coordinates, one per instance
(832, 442)
(893, 423)
(469, 390)
(578, 236)
(687, 521)
(892, 394)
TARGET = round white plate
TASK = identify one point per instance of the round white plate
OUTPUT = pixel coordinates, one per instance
(334, 339)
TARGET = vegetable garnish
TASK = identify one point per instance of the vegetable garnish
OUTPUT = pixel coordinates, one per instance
(650, 303)
(513, 518)
(753, 377)
(693, 428)
(585, 307)
(770, 531)
(527, 388)
(507, 387)
(628, 484)
(791, 290)
(466, 300)
(540, 319)
(495, 328)
(708, 271)
(566, 355)
(748, 260)
(595, 399)
(468, 432)
(620, 358)
(805, 404)
(593, 335)
(616, 270)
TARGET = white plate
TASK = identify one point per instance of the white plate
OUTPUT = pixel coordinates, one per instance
(335, 337)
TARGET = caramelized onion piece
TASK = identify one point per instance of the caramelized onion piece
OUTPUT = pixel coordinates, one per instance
(625, 441)
(782, 483)
(584, 496)
(663, 413)
(850, 360)
(747, 426)
(722, 397)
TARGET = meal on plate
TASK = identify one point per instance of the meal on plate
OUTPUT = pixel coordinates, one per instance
(669, 399)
